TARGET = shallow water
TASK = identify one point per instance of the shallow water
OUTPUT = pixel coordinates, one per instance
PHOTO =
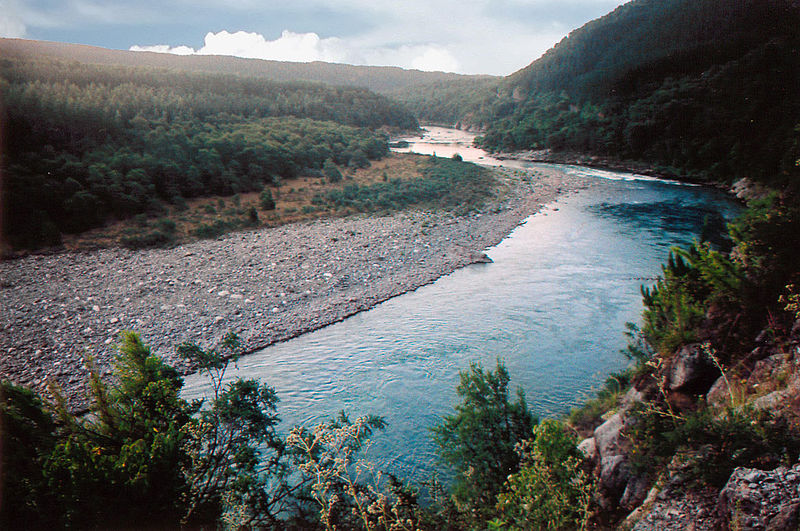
(552, 306)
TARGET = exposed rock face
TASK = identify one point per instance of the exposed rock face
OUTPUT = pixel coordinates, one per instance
(609, 449)
(588, 447)
(758, 499)
(719, 393)
(691, 371)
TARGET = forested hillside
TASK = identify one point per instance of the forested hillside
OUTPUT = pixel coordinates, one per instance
(86, 143)
(377, 78)
(704, 88)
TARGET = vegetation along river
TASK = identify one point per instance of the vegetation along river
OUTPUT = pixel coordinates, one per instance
(552, 305)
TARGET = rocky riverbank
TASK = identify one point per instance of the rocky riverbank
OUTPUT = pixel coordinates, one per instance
(265, 285)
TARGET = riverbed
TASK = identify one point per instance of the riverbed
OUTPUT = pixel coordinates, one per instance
(552, 306)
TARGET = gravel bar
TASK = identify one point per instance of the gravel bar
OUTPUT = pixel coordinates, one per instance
(266, 285)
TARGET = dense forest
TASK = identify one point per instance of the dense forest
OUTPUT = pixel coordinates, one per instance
(704, 89)
(381, 79)
(87, 143)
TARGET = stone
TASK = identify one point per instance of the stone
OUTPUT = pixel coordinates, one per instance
(607, 436)
(788, 517)
(631, 398)
(588, 447)
(691, 371)
(636, 491)
(760, 499)
(719, 393)
(614, 475)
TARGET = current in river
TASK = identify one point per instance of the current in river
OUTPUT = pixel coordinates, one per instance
(552, 306)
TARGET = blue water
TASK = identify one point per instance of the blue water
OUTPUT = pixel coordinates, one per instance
(552, 306)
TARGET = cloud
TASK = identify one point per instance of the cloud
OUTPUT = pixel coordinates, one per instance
(11, 24)
(307, 47)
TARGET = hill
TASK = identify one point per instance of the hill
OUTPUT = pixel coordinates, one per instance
(703, 88)
(88, 144)
(376, 78)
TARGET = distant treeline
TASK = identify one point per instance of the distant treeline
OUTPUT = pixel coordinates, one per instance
(381, 79)
(703, 88)
(86, 143)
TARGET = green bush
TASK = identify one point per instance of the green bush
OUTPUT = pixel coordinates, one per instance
(715, 443)
(552, 490)
(478, 441)
(266, 201)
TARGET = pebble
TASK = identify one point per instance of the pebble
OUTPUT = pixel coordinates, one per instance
(352, 264)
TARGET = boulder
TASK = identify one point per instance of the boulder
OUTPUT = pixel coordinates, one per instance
(691, 371)
(788, 517)
(635, 492)
(631, 398)
(719, 394)
(761, 499)
(588, 447)
(608, 436)
(614, 476)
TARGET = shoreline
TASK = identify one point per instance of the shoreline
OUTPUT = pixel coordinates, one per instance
(267, 285)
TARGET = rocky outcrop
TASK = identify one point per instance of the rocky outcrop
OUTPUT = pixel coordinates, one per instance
(691, 371)
(758, 499)
(608, 450)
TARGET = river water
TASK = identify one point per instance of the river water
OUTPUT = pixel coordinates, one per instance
(552, 306)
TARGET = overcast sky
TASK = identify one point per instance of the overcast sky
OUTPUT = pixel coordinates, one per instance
(466, 36)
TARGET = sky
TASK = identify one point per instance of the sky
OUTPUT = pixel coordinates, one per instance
(467, 36)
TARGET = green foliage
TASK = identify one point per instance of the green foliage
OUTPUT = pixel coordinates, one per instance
(552, 490)
(767, 239)
(128, 454)
(144, 457)
(713, 443)
(445, 184)
(331, 171)
(478, 441)
(26, 439)
(266, 201)
(350, 491)
(94, 144)
(698, 87)
(677, 304)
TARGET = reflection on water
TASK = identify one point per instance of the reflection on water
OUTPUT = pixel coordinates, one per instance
(552, 305)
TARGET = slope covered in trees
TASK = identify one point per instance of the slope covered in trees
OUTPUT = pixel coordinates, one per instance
(705, 88)
(377, 78)
(90, 143)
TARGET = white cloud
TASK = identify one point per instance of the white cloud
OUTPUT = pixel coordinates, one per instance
(164, 48)
(307, 47)
(11, 24)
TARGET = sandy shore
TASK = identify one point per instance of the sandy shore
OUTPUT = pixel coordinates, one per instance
(265, 285)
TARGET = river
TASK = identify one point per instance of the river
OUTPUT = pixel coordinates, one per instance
(552, 306)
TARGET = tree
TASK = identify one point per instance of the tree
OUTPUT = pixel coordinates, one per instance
(331, 171)
(551, 489)
(266, 200)
(478, 441)
(144, 457)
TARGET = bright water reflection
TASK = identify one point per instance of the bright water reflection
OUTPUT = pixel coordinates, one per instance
(552, 305)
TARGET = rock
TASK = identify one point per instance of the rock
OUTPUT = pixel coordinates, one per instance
(635, 492)
(607, 436)
(788, 517)
(691, 371)
(631, 398)
(588, 447)
(719, 393)
(770, 402)
(480, 258)
(614, 476)
(761, 499)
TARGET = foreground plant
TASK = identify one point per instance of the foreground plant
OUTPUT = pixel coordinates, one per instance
(143, 457)
(351, 491)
